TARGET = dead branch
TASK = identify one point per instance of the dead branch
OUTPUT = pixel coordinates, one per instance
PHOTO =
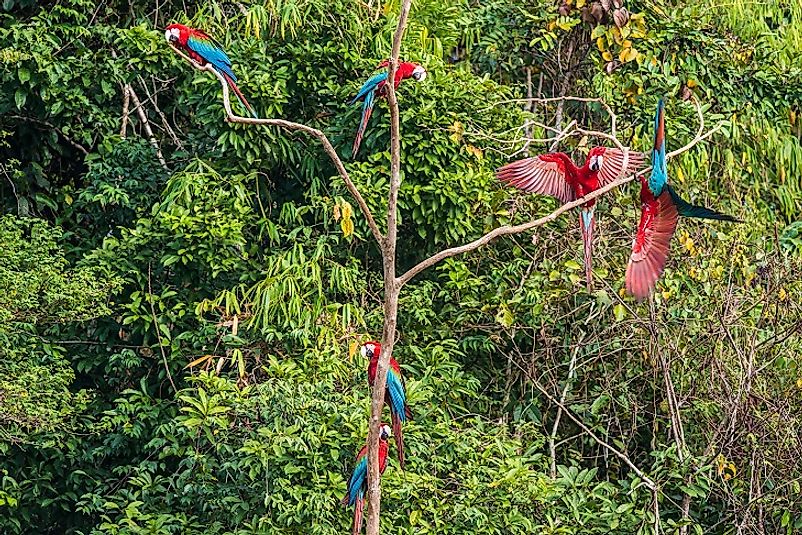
(126, 106)
(143, 117)
(289, 125)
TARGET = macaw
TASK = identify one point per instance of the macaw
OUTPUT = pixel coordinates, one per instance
(375, 86)
(556, 175)
(661, 207)
(202, 49)
(358, 483)
(394, 394)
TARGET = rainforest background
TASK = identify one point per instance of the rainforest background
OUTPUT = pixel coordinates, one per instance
(181, 299)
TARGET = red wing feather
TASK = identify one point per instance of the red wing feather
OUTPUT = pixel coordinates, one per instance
(658, 221)
(544, 174)
(359, 506)
(398, 435)
(613, 166)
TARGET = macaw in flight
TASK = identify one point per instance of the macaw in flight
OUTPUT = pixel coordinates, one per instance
(394, 394)
(202, 49)
(660, 208)
(556, 175)
(358, 483)
(376, 86)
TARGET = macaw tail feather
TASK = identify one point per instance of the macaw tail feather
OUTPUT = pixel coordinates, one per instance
(359, 505)
(586, 224)
(686, 209)
(233, 85)
(399, 438)
(367, 111)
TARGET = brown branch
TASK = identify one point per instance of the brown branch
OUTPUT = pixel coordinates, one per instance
(58, 130)
(126, 106)
(291, 126)
(391, 285)
(143, 117)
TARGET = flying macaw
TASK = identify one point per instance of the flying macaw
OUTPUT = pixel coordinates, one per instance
(394, 394)
(358, 483)
(660, 208)
(202, 49)
(556, 175)
(375, 86)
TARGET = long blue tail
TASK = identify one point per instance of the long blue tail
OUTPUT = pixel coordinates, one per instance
(659, 176)
(686, 209)
(367, 110)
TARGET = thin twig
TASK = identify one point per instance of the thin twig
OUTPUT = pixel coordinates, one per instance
(158, 334)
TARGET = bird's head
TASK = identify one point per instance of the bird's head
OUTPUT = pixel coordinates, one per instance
(370, 349)
(419, 73)
(596, 159)
(172, 33)
(385, 432)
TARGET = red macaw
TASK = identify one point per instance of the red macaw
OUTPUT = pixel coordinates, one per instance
(202, 49)
(660, 208)
(556, 175)
(375, 86)
(394, 394)
(358, 483)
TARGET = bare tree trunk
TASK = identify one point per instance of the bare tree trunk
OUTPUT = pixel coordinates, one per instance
(391, 284)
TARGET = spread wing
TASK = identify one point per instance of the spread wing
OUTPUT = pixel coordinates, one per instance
(207, 48)
(613, 166)
(658, 221)
(545, 174)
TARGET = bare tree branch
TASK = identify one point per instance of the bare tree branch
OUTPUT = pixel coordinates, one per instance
(289, 125)
(146, 125)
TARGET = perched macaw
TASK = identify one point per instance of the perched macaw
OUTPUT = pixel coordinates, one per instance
(394, 394)
(375, 86)
(556, 175)
(201, 48)
(660, 208)
(358, 483)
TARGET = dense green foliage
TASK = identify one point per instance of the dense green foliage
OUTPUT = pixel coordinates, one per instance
(179, 338)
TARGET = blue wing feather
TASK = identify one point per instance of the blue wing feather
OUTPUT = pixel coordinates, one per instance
(213, 54)
(659, 176)
(397, 395)
(357, 481)
(370, 85)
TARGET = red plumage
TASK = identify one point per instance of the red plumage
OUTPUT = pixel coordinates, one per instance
(374, 351)
(650, 249)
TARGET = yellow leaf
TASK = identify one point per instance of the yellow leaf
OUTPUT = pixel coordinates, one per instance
(620, 312)
(352, 349)
(782, 294)
(691, 83)
(580, 3)
(476, 151)
(198, 360)
(601, 44)
(336, 212)
(607, 55)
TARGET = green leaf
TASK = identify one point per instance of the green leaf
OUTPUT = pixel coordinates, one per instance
(20, 96)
